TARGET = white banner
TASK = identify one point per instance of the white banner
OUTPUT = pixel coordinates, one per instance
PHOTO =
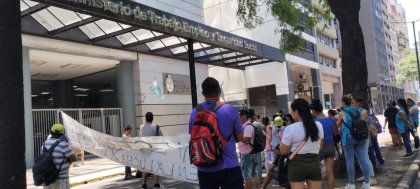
(166, 156)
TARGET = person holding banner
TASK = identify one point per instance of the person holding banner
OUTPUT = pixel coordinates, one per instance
(126, 135)
(62, 156)
(226, 174)
(146, 130)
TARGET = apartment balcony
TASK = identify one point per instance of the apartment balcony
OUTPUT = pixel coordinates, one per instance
(327, 50)
(328, 31)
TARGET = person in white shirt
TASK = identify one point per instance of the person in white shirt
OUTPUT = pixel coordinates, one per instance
(305, 166)
(148, 129)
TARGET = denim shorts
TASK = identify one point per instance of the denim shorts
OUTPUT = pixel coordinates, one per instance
(249, 165)
(327, 150)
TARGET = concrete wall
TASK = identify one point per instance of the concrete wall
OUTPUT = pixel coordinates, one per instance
(173, 112)
(232, 82)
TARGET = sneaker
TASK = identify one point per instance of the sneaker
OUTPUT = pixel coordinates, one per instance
(156, 185)
(350, 186)
(408, 155)
(366, 185)
(360, 179)
(144, 186)
(128, 177)
(373, 181)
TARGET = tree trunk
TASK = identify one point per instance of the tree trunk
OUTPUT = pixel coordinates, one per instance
(12, 125)
(354, 65)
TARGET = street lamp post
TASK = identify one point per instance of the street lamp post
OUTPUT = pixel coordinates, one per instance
(415, 46)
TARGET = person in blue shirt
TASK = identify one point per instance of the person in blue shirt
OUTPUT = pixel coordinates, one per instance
(358, 103)
(327, 152)
(404, 125)
(227, 173)
(414, 114)
(352, 146)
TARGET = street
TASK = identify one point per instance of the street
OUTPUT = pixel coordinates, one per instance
(119, 182)
(388, 175)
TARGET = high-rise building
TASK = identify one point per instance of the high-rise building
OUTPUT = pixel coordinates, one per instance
(382, 52)
(313, 71)
(329, 60)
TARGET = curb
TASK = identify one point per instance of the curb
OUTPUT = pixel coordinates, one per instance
(73, 184)
(410, 177)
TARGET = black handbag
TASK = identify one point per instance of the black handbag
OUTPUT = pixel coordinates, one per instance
(282, 177)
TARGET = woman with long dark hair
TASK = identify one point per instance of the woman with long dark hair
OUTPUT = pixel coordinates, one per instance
(327, 152)
(404, 125)
(305, 166)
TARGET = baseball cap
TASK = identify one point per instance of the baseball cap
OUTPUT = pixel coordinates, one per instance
(58, 128)
(278, 121)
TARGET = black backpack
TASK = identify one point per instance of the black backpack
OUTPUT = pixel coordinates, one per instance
(259, 140)
(359, 128)
(44, 170)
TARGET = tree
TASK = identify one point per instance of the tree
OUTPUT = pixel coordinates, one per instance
(407, 69)
(290, 14)
(12, 135)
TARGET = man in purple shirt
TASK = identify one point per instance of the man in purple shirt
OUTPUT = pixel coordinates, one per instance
(226, 174)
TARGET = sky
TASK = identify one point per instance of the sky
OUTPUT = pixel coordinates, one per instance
(412, 12)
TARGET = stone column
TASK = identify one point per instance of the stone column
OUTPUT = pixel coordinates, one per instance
(316, 83)
(27, 100)
(284, 100)
(125, 90)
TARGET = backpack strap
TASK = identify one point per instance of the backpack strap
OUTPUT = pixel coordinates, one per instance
(352, 118)
(157, 130)
(200, 107)
(51, 149)
(214, 107)
(252, 145)
(298, 148)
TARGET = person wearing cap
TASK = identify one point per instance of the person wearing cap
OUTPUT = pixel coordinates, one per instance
(277, 125)
(62, 154)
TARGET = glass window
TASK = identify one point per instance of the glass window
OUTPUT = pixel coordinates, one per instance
(323, 60)
(46, 19)
(65, 16)
(108, 26)
(126, 38)
(92, 30)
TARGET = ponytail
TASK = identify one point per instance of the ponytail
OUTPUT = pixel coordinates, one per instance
(302, 107)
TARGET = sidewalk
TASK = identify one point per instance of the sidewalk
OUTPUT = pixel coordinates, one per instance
(388, 175)
(93, 169)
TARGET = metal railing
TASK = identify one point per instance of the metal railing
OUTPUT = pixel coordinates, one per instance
(104, 120)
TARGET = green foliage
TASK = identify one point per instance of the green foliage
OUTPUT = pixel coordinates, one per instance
(407, 68)
(292, 16)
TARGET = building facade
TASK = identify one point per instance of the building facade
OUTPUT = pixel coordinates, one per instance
(311, 72)
(327, 33)
(139, 56)
(382, 52)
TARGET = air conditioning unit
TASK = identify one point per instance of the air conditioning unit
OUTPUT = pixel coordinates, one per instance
(302, 77)
(302, 87)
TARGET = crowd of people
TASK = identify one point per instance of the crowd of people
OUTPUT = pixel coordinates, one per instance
(293, 148)
(305, 137)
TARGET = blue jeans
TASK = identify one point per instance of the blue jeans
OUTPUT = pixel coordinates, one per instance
(407, 143)
(375, 152)
(360, 148)
(250, 165)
